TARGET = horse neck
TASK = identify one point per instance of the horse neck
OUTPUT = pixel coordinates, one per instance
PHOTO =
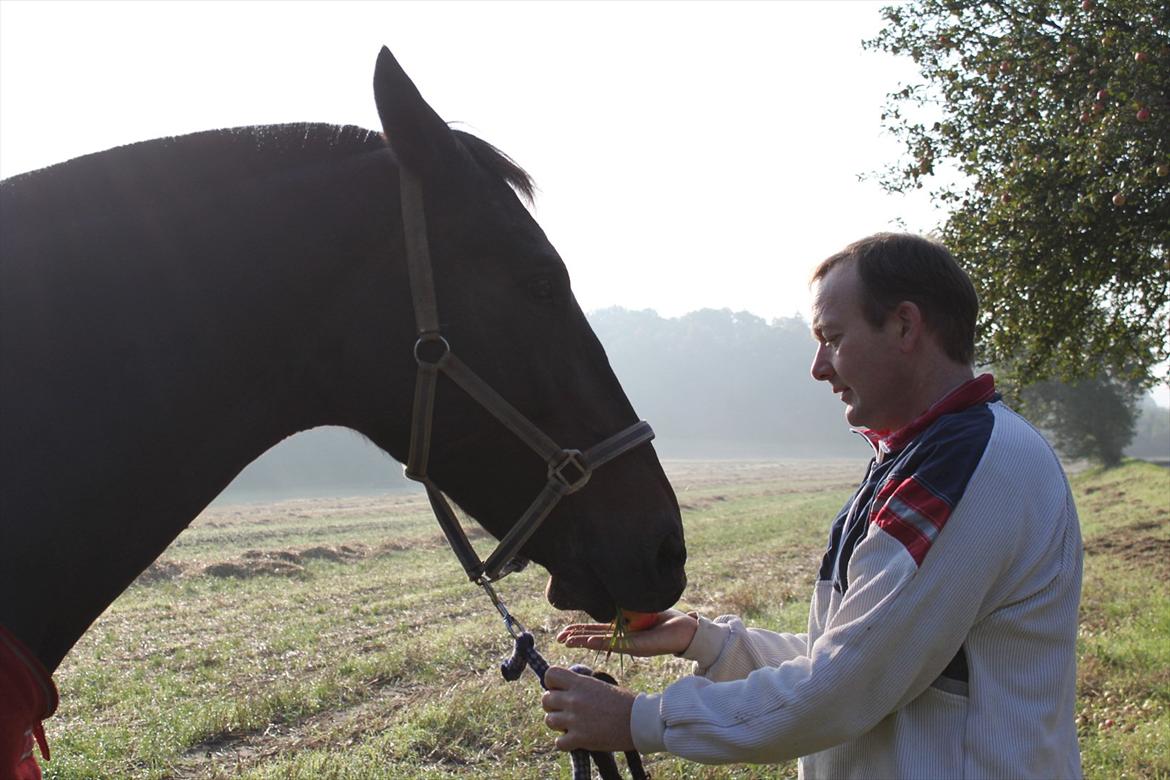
(209, 343)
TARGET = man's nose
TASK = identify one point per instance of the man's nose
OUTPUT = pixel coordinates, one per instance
(822, 369)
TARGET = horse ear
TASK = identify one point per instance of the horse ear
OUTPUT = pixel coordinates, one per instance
(420, 139)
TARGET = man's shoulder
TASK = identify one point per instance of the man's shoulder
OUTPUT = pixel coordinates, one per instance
(992, 425)
(951, 448)
(988, 438)
(988, 443)
(970, 427)
(1017, 440)
(991, 466)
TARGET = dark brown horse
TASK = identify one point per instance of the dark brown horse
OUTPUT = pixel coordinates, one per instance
(170, 310)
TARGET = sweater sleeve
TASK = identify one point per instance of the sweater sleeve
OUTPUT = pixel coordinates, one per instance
(722, 649)
(903, 618)
(726, 649)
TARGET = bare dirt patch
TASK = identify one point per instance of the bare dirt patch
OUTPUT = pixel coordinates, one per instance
(162, 571)
(341, 552)
(288, 562)
(700, 503)
(1135, 545)
(258, 563)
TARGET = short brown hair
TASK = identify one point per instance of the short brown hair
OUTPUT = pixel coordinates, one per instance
(896, 267)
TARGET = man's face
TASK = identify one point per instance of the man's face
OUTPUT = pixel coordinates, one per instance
(863, 364)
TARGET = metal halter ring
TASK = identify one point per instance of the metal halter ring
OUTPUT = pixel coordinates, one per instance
(426, 339)
(556, 471)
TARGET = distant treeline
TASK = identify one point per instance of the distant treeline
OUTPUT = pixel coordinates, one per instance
(726, 384)
(1151, 436)
(713, 383)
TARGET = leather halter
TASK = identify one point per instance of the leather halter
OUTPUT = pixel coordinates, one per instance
(568, 470)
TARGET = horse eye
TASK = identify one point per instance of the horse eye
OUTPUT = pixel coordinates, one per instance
(542, 288)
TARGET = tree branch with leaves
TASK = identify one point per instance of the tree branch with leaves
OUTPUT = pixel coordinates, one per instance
(1044, 130)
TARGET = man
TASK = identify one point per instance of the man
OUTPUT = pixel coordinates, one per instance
(942, 631)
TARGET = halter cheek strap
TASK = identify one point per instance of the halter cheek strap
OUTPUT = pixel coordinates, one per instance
(568, 469)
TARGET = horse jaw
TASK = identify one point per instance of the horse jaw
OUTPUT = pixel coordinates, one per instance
(564, 597)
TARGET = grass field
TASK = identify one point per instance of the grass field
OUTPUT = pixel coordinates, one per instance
(338, 638)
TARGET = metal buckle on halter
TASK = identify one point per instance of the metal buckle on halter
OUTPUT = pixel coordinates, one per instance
(514, 626)
(572, 483)
(425, 340)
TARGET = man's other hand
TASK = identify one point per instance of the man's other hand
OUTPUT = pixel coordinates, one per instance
(591, 714)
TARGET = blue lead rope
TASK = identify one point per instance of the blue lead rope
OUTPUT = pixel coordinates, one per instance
(525, 654)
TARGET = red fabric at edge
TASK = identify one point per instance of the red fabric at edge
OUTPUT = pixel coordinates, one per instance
(27, 696)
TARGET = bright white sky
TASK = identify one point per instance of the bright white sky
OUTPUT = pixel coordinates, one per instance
(688, 154)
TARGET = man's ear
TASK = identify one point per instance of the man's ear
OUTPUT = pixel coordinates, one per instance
(420, 139)
(910, 327)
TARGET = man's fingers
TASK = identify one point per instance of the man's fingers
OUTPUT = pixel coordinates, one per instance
(593, 642)
(593, 636)
(558, 678)
(588, 712)
(585, 629)
(559, 721)
(554, 701)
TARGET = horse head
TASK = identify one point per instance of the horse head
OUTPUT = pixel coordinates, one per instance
(505, 306)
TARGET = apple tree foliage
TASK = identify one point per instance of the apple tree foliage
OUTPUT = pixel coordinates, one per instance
(1043, 129)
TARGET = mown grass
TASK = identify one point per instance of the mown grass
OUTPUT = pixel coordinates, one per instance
(383, 662)
(1124, 642)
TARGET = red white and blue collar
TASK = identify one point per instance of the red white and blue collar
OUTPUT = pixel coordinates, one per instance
(976, 391)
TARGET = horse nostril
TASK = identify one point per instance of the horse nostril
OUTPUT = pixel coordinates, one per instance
(672, 553)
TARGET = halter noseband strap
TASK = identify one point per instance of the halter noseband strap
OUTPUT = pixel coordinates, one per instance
(568, 470)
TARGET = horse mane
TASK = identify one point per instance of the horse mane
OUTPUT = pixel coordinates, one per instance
(221, 155)
(498, 163)
(303, 141)
(228, 152)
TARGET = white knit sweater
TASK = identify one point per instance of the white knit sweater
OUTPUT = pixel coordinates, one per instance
(863, 694)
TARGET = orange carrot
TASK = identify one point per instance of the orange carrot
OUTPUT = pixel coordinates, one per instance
(639, 621)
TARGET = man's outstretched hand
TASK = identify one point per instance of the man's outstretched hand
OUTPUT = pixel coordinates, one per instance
(671, 634)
